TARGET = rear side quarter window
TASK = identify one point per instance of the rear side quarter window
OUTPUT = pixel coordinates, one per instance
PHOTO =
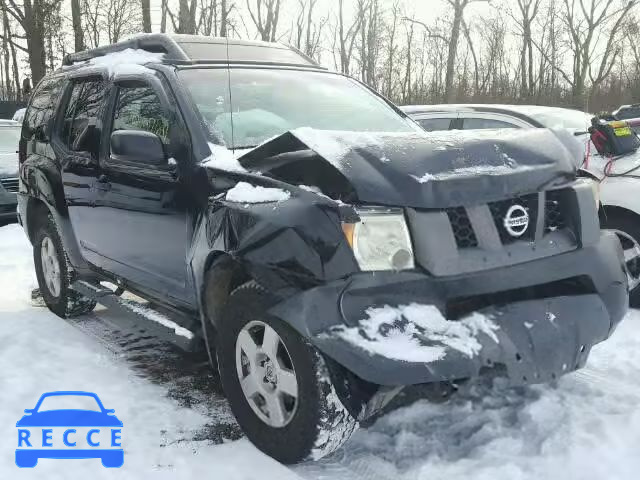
(79, 129)
(42, 108)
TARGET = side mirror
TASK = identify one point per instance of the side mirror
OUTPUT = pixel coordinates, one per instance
(28, 410)
(137, 146)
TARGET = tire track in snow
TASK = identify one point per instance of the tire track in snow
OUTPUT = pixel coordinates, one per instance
(187, 377)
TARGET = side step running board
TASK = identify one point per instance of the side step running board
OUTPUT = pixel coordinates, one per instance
(157, 323)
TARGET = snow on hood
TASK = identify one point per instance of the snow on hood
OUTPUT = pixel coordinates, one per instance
(244, 192)
(416, 333)
(429, 170)
(128, 61)
(224, 159)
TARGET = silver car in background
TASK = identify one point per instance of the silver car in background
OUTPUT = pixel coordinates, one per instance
(9, 137)
(619, 177)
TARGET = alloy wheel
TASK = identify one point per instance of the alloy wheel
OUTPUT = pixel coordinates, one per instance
(50, 266)
(266, 374)
(631, 250)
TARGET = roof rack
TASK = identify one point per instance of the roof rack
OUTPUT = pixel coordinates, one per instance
(187, 49)
(152, 42)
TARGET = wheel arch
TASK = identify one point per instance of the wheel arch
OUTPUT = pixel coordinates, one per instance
(222, 274)
(36, 213)
(615, 210)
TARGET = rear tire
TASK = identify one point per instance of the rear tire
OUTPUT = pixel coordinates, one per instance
(55, 274)
(313, 422)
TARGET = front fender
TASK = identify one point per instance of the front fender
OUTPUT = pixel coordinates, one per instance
(620, 192)
(287, 246)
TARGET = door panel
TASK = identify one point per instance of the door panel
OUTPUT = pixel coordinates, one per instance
(142, 211)
(78, 145)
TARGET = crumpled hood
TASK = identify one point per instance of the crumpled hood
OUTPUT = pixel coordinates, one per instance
(428, 170)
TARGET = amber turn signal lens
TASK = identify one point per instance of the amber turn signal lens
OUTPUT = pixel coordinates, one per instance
(348, 229)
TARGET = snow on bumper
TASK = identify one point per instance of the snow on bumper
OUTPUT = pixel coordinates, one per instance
(556, 338)
(388, 328)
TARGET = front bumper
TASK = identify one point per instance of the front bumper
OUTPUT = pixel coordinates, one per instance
(540, 337)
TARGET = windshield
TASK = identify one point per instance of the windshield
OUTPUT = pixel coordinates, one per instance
(69, 402)
(627, 113)
(268, 102)
(562, 118)
(9, 138)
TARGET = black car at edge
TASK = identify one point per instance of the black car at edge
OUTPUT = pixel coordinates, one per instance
(322, 247)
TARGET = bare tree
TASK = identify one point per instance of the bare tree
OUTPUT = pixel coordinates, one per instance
(586, 25)
(527, 12)
(76, 19)
(458, 14)
(32, 17)
(225, 10)
(146, 15)
(346, 38)
(265, 15)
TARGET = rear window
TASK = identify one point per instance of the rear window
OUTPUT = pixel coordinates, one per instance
(37, 122)
(434, 124)
(483, 123)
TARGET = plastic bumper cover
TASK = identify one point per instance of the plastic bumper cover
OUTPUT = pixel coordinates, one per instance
(538, 339)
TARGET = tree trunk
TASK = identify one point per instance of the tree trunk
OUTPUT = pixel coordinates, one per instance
(163, 17)
(76, 20)
(146, 15)
(5, 49)
(223, 18)
(34, 29)
(458, 11)
(184, 17)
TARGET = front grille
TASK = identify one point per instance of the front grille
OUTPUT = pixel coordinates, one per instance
(462, 229)
(499, 212)
(9, 184)
(554, 218)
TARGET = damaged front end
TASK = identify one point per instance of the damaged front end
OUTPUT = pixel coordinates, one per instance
(469, 291)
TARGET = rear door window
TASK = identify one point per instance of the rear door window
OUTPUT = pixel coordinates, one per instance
(82, 112)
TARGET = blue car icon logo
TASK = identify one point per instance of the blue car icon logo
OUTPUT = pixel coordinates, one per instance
(69, 424)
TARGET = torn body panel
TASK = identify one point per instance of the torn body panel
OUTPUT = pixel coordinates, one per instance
(586, 283)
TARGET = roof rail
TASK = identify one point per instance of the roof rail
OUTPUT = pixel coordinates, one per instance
(152, 42)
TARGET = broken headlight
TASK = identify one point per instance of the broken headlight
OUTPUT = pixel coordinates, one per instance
(380, 240)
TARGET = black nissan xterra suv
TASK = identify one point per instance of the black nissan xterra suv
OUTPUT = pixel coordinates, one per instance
(325, 250)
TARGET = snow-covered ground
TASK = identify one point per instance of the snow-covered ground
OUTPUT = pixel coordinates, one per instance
(177, 423)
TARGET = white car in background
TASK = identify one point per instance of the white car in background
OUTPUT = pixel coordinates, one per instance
(619, 187)
(19, 115)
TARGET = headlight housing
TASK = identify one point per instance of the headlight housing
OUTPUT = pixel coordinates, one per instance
(381, 240)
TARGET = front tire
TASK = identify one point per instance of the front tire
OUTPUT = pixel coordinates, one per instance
(627, 228)
(55, 274)
(277, 384)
